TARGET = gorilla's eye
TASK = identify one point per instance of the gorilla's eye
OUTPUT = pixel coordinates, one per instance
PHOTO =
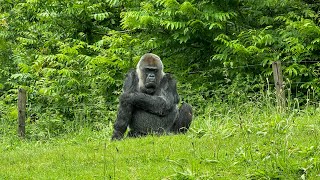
(151, 70)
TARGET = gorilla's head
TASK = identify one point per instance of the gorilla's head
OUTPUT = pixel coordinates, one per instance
(150, 72)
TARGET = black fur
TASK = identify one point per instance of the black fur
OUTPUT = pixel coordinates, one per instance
(150, 113)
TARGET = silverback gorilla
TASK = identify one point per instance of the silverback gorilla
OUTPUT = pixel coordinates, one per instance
(149, 102)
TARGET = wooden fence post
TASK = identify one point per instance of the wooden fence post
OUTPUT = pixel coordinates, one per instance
(22, 100)
(278, 81)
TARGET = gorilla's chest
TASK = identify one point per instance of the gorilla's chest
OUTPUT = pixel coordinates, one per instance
(146, 122)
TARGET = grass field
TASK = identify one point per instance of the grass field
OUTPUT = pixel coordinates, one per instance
(241, 143)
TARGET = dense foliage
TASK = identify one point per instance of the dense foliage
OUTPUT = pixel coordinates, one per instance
(71, 56)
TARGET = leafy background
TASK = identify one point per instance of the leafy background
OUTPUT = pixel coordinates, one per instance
(71, 56)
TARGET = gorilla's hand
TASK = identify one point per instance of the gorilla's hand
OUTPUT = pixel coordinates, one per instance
(117, 135)
(150, 90)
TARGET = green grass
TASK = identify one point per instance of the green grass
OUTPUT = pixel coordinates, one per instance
(245, 142)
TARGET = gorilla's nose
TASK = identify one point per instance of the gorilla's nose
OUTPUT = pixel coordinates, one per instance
(151, 77)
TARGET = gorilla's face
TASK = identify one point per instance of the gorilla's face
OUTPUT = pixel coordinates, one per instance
(150, 73)
(151, 77)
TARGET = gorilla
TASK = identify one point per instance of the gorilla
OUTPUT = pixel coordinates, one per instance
(149, 102)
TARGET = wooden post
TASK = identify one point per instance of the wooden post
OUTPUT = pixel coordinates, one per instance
(278, 81)
(22, 100)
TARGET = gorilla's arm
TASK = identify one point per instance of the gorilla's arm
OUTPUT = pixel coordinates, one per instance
(125, 108)
(162, 103)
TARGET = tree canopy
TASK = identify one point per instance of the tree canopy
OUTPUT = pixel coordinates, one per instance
(74, 54)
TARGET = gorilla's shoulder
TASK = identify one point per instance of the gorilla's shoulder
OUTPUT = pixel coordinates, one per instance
(169, 76)
(170, 79)
(131, 71)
